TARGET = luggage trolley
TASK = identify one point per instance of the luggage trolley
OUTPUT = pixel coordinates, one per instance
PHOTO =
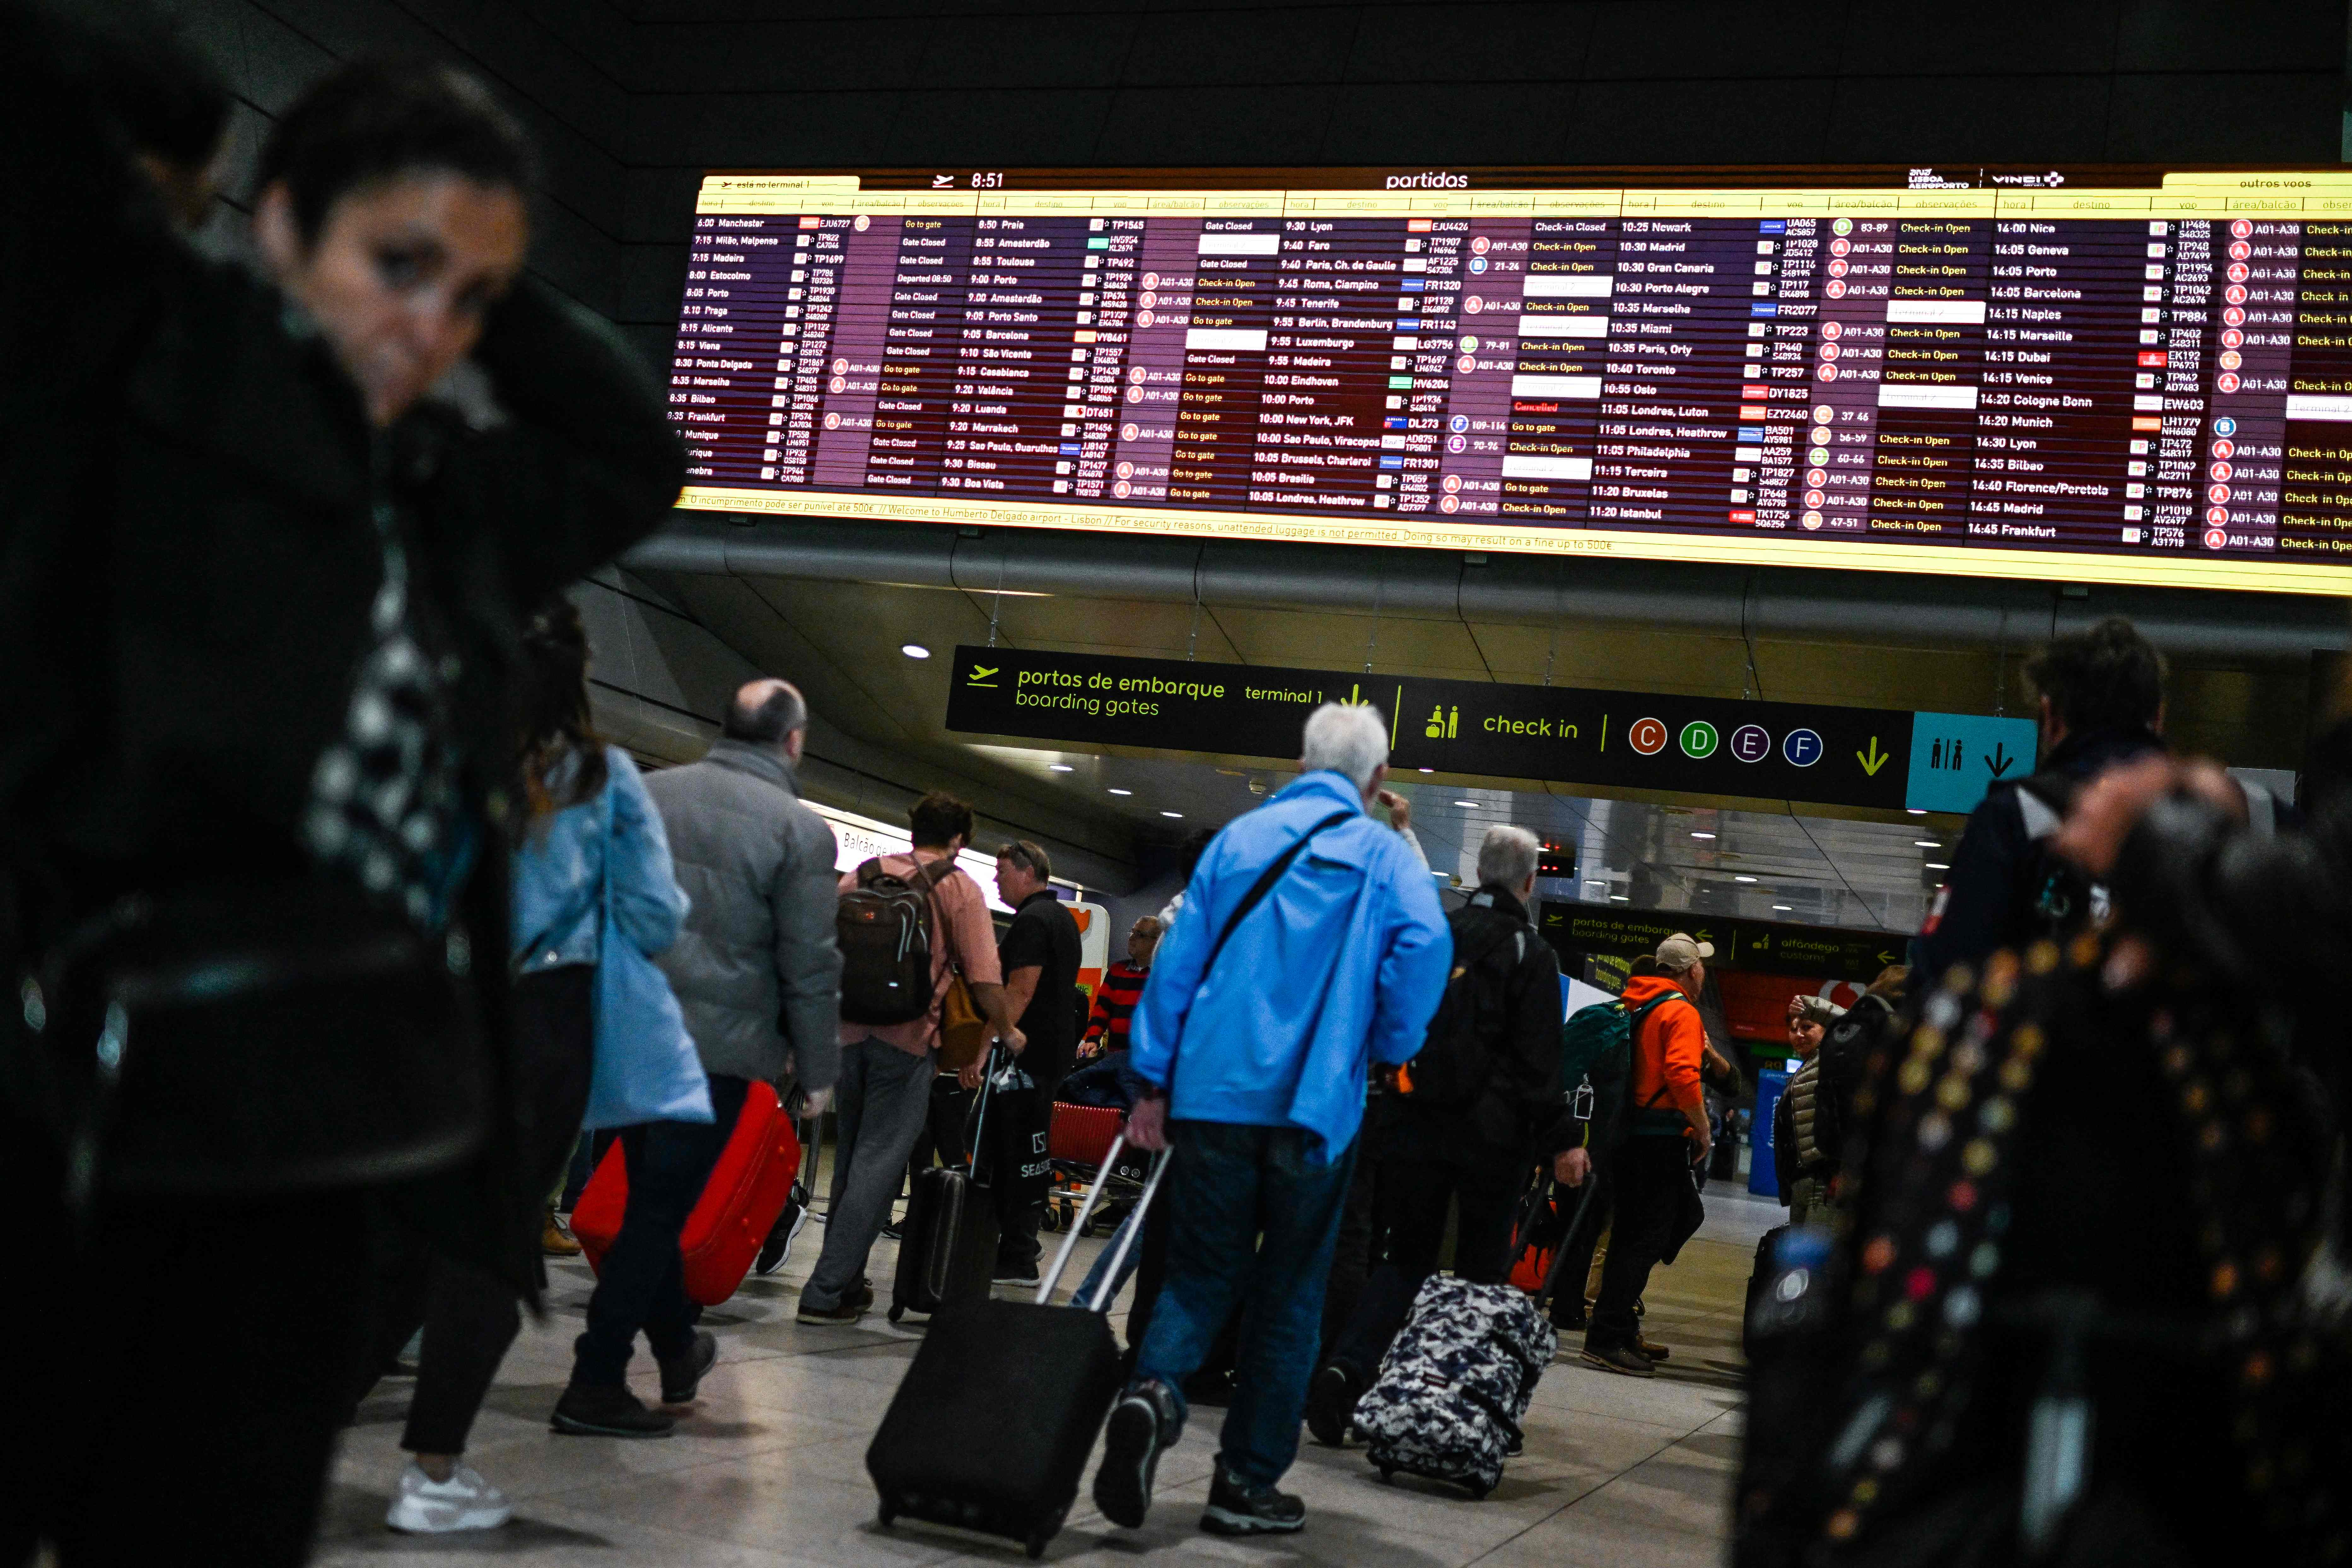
(1081, 1138)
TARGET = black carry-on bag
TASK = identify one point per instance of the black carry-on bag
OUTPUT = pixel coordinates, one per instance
(992, 1428)
(947, 1248)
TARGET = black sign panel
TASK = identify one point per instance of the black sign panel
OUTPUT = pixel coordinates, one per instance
(1832, 954)
(1627, 739)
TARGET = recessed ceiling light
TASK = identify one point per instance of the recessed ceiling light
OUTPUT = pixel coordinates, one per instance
(1702, 836)
(1917, 810)
(1060, 768)
(1172, 813)
(1470, 804)
(914, 651)
(1927, 843)
(1743, 878)
(1115, 790)
(1785, 909)
(1939, 864)
(1428, 769)
(1618, 898)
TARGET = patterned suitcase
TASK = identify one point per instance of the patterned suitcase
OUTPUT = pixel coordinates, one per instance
(737, 1208)
(1456, 1383)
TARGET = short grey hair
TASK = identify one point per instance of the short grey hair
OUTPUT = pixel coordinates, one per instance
(1347, 737)
(1508, 856)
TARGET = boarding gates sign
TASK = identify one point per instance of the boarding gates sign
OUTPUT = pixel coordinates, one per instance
(1887, 758)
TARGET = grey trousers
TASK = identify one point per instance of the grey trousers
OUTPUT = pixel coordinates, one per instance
(880, 1105)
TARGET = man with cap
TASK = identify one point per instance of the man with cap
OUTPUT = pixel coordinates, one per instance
(1666, 1134)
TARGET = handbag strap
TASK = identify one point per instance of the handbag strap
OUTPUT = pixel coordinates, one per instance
(1265, 881)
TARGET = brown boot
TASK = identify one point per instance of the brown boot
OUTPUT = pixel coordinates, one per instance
(555, 1241)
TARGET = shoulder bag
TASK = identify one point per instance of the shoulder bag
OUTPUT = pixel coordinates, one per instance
(647, 1066)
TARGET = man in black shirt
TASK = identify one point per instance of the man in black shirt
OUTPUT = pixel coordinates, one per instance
(1039, 954)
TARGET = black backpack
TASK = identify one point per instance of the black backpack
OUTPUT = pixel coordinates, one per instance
(1456, 1064)
(884, 927)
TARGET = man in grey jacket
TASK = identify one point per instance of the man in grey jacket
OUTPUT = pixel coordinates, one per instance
(756, 969)
(758, 977)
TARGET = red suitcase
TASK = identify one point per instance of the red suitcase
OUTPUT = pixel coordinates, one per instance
(738, 1208)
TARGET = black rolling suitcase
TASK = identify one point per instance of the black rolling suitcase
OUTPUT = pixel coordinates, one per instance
(947, 1247)
(991, 1426)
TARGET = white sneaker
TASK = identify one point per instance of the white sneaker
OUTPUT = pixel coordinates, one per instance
(422, 1506)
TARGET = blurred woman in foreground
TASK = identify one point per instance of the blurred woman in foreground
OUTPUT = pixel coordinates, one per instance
(264, 554)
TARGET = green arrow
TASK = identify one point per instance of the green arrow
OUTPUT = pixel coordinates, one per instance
(1874, 759)
(1885, 958)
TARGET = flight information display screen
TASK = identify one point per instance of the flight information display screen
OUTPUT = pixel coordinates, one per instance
(2106, 375)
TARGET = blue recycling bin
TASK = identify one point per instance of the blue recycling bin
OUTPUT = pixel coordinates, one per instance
(1761, 1175)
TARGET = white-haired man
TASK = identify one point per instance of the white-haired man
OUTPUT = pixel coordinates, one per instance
(1475, 1108)
(1311, 945)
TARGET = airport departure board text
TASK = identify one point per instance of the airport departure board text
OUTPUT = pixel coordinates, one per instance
(2135, 383)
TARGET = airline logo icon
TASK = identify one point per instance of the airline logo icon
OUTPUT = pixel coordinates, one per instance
(1647, 736)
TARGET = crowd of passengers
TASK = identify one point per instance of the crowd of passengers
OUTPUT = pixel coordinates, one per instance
(318, 886)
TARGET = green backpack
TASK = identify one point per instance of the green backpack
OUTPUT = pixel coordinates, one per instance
(1596, 1046)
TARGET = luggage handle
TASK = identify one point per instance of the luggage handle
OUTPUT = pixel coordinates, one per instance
(1128, 1237)
(980, 1114)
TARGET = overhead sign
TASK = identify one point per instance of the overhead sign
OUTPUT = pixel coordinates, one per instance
(1624, 740)
(1825, 952)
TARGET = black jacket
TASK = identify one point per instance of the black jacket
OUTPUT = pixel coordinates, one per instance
(1518, 984)
(188, 554)
(2002, 876)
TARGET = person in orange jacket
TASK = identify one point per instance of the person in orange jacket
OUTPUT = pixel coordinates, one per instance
(1666, 1134)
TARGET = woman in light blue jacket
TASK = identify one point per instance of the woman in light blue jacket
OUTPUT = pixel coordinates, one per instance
(581, 815)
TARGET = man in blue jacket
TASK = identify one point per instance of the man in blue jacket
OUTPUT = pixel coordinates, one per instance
(1253, 1056)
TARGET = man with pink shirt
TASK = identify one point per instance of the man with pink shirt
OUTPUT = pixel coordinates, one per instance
(883, 1097)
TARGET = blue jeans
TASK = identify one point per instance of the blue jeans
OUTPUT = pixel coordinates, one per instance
(1252, 1217)
(1095, 1280)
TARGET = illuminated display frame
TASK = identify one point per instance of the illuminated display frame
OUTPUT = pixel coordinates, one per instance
(2295, 196)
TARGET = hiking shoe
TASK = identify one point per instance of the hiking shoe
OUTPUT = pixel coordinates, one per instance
(1331, 1403)
(1655, 1352)
(555, 1240)
(1619, 1359)
(780, 1237)
(681, 1377)
(1010, 1273)
(586, 1411)
(1141, 1424)
(844, 1316)
(1237, 1508)
(422, 1506)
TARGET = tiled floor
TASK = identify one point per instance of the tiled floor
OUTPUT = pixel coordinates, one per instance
(769, 1470)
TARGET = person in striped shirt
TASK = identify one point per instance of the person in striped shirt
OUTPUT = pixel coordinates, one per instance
(1120, 990)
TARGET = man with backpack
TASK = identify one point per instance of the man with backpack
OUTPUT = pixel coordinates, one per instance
(912, 928)
(1663, 1132)
(1311, 944)
(2101, 700)
(1462, 1123)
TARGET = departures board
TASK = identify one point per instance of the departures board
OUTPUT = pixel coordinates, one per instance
(2109, 375)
